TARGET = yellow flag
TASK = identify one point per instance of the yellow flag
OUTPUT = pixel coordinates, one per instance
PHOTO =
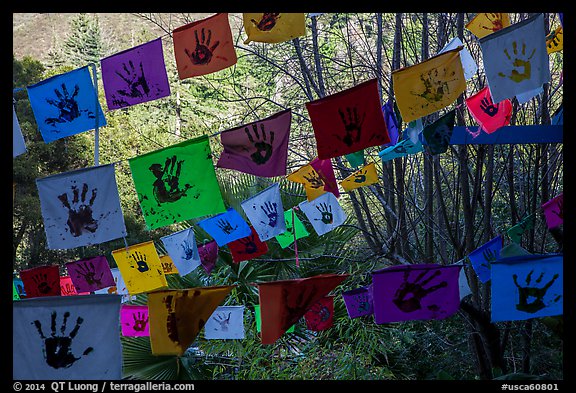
(362, 177)
(555, 40)
(178, 315)
(312, 181)
(140, 268)
(429, 86)
(273, 27)
(168, 265)
(486, 23)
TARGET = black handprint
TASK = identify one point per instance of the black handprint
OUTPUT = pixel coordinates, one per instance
(352, 125)
(225, 226)
(532, 293)
(88, 272)
(166, 187)
(489, 258)
(271, 211)
(68, 109)
(224, 322)
(267, 22)
(519, 63)
(314, 180)
(488, 107)
(360, 177)
(140, 321)
(553, 39)
(249, 243)
(363, 303)
(188, 250)
(134, 80)
(326, 210)
(140, 260)
(79, 213)
(409, 295)
(44, 287)
(202, 53)
(57, 349)
(263, 148)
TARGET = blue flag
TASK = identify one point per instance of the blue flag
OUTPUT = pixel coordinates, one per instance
(226, 227)
(484, 256)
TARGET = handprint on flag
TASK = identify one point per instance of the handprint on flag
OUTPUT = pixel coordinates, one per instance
(203, 52)
(531, 298)
(137, 86)
(79, 213)
(519, 61)
(410, 293)
(166, 187)
(267, 22)
(67, 106)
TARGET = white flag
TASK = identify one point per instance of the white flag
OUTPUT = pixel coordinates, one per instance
(225, 323)
(468, 64)
(324, 213)
(182, 248)
(18, 144)
(119, 289)
(266, 213)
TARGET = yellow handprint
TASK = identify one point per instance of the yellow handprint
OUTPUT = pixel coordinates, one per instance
(518, 62)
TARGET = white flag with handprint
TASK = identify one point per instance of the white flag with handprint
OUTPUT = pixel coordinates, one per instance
(265, 212)
(515, 58)
(67, 338)
(81, 208)
(225, 323)
(324, 213)
(182, 248)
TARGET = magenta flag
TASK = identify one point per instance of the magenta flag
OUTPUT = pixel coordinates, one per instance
(134, 321)
(90, 274)
(554, 211)
(259, 148)
(67, 287)
(135, 75)
(326, 172)
(208, 255)
(415, 292)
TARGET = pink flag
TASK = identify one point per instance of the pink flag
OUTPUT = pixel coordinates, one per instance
(554, 211)
(321, 315)
(208, 255)
(67, 288)
(326, 172)
(90, 274)
(134, 321)
(489, 115)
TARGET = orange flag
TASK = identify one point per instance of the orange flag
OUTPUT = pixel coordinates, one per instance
(485, 23)
(273, 27)
(361, 178)
(178, 315)
(283, 303)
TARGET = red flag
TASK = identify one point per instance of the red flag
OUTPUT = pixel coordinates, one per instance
(326, 173)
(41, 281)
(248, 247)
(283, 303)
(321, 315)
(490, 116)
(348, 121)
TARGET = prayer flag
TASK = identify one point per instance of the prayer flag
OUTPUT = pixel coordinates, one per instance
(259, 320)
(18, 144)
(324, 213)
(90, 274)
(204, 46)
(317, 177)
(41, 281)
(485, 23)
(66, 287)
(168, 265)
(409, 142)
(19, 284)
(294, 228)
(355, 159)
(555, 40)
(135, 75)
(15, 294)
(554, 211)
(81, 207)
(320, 316)
(182, 249)
(361, 178)
(468, 64)
(359, 302)
(66, 104)
(264, 212)
(348, 121)
(247, 248)
(326, 172)
(273, 27)
(489, 115)
(226, 227)
(177, 183)
(464, 287)
(515, 232)
(437, 135)
(259, 148)
(484, 256)
(225, 323)
(134, 321)
(208, 255)
(119, 287)
(527, 96)
(391, 123)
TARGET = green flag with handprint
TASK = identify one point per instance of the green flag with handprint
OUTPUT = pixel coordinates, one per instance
(294, 229)
(177, 183)
(515, 233)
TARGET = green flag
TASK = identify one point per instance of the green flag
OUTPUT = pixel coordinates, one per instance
(527, 223)
(439, 133)
(356, 159)
(177, 183)
(286, 238)
(15, 295)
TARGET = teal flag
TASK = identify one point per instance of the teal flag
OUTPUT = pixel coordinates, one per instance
(437, 135)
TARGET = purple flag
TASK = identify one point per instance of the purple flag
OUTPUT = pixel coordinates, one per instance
(208, 255)
(415, 292)
(259, 148)
(326, 173)
(135, 75)
(90, 274)
(359, 302)
(391, 123)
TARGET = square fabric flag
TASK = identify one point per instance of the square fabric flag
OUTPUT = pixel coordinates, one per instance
(264, 212)
(320, 316)
(177, 183)
(41, 281)
(81, 208)
(226, 227)
(134, 321)
(168, 266)
(515, 58)
(468, 64)
(324, 213)
(247, 248)
(527, 286)
(438, 134)
(140, 267)
(485, 23)
(182, 248)
(484, 256)
(204, 46)
(295, 229)
(208, 255)
(317, 177)
(67, 338)
(67, 288)
(273, 27)
(415, 292)
(555, 40)
(361, 178)
(429, 86)
(554, 211)
(359, 302)
(348, 121)
(66, 104)
(515, 233)
(225, 323)
(135, 75)
(259, 148)
(90, 274)
(18, 144)
(119, 287)
(488, 115)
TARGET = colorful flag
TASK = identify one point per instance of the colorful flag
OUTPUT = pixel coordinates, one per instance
(18, 144)
(226, 227)
(66, 287)
(177, 183)
(324, 213)
(135, 75)
(264, 211)
(361, 178)
(555, 40)
(259, 148)
(437, 135)
(391, 123)
(90, 274)
(515, 58)
(19, 284)
(204, 46)
(348, 121)
(134, 321)
(41, 281)
(208, 255)
(140, 267)
(527, 286)
(489, 115)
(273, 27)
(415, 292)
(225, 323)
(515, 232)
(294, 229)
(119, 287)
(81, 207)
(409, 142)
(259, 320)
(359, 302)
(468, 64)
(326, 172)
(168, 266)
(317, 177)
(177, 316)
(247, 248)
(429, 86)
(67, 338)
(15, 294)
(320, 316)
(486, 23)
(554, 211)
(484, 256)
(182, 249)
(283, 303)
(355, 159)
(66, 104)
